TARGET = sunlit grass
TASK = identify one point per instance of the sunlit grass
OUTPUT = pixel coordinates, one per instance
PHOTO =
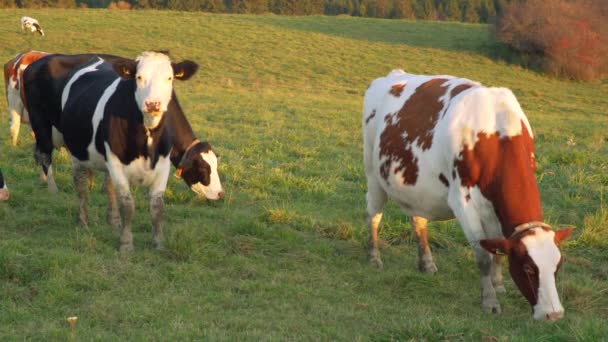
(283, 257)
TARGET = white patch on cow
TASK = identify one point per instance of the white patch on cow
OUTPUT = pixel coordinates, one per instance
(57, 138)
(545, 254)
(66, 90)
(214, 189)
(154, 79)
(138, 172)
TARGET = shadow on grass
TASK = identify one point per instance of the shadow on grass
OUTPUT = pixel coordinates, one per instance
(475, 38)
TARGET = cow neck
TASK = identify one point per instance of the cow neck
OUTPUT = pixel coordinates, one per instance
(183, 136)
(503, 170)
(515, 196)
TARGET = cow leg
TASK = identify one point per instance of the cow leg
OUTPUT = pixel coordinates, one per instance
(113, 216)
(157, 207)
(43, 152)
(425, 258)
(471, 224)
(43, 157)
(81, 176)
(15, 124)
(127, 208)
(376, 198)
(497, 282)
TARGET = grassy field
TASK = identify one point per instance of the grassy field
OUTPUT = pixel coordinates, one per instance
(283, 256)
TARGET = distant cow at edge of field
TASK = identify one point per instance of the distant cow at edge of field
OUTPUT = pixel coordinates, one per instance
(445, 147)
(121, 117)
(13, 81)
(31, 24)
(4, 195)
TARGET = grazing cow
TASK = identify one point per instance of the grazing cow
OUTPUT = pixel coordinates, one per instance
(13, 80)
(445, 147)
(31, 24)
(3, 189)
(122, 117)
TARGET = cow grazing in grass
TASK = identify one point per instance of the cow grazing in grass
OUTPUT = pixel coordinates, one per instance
(3, 189)
(120, 116)
(13, 80)
(445, 147)
(31, 24)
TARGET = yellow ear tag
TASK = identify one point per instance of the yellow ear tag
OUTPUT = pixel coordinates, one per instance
(178, 173)
(126, 71)
(180, 74)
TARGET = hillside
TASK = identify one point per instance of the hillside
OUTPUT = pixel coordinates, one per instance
(283, 256)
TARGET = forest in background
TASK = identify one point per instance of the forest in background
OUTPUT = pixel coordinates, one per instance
(450, 10)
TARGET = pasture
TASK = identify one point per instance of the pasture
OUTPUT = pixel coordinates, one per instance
(284, 255)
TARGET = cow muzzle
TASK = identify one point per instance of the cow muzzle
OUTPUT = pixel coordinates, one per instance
(153, 108)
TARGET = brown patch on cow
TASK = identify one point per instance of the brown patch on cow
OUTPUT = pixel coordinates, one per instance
(467, 198)
(453, 174)
(503, 171)
(459, 89)
(417, 119)
(444, 180)
(397, 89)
(371, 116)
(26, 59)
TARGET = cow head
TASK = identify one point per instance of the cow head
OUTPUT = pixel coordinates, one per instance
(154, 74)
(534, 259)
(3, 189)
(198, 168)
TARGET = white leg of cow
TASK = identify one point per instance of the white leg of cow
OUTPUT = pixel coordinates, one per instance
(376, 198)
(113, 215)
(470, 221)
(81, 176)
(15, 124)
(425, 258)
(497, 274)
(127, 208)
(157, 207)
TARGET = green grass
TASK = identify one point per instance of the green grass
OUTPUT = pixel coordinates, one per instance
(283, 257)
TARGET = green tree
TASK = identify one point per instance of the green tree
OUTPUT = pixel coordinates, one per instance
(451, 10)
(469, 11)
(424, 9)
(403, 9)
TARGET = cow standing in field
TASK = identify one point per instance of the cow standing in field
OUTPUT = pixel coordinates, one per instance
(4, 195)
(445, 147)
(13, 81)
(121, 117)
(31, 24)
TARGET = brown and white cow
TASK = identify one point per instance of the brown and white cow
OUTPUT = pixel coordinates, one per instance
(445, 147)
(13, 81)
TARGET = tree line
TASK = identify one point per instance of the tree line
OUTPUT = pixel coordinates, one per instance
(451, 10)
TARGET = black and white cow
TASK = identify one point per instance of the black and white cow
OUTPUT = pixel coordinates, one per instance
(31, 24)
(3, 188)
(121, 116)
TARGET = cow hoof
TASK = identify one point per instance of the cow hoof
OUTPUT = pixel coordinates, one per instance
(491, 308)
(427, 267)
(126, 248)
(159, 246)
(500, 289)
(376, 262)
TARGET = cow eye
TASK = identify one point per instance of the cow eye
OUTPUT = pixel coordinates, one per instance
(170, 78)
(138, 77)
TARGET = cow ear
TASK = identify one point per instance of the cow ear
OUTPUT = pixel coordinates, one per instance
(125, 68)
(184, 70)
(496, 246)
(561, 235)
